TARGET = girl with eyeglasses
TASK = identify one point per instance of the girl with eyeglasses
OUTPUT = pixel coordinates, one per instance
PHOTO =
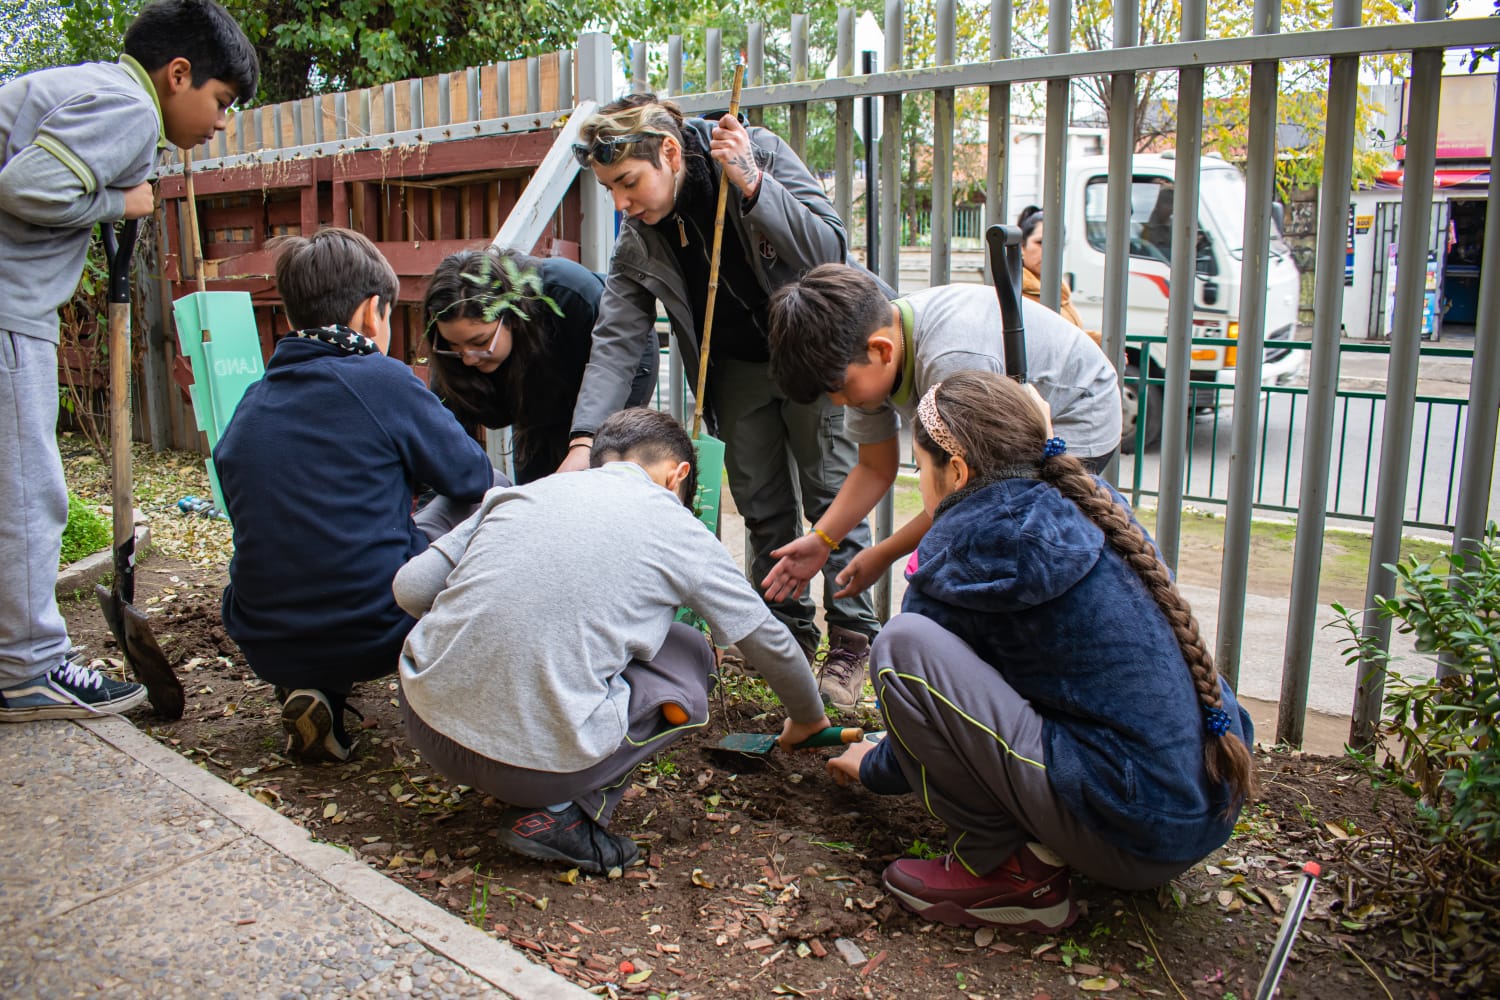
(663, 171)
(509, 338)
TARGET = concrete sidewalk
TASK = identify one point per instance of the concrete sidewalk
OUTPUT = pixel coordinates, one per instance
(131, 872)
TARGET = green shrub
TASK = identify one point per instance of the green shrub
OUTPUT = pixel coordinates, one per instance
(87, 532)
(1443, 733)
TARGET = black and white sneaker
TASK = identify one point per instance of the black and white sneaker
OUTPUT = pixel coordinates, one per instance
(69, 690)
(568, 836)
(314, 724)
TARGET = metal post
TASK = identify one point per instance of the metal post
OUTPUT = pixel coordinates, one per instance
(797, 114)
(445, 101)
(474, 107)
(843, 125)
(417, 106)
(596, 227)
(640, 74)
(1322, 386)
(890, 250)
(1484, 389)
(1401, 380)
(1117, 205)
(1054, 190)
(674, 65)
(564, 80)
(534, 85)
(755, 67)
(1176, 418)
(713, 60)
(872, 186)
(941, 231)
(1260, 178)
(995, 211)
(890, 151)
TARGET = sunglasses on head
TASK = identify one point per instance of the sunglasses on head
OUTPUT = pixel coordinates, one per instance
(606, 151)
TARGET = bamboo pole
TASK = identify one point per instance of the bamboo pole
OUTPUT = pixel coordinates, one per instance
(713, 267)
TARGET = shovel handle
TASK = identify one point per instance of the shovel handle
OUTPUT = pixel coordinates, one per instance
(833, 736)
(118, 250)
(1005, 265)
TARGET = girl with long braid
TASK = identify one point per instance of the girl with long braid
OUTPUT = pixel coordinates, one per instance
(1046, 690)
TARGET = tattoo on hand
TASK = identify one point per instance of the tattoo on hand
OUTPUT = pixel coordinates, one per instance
(746, 165)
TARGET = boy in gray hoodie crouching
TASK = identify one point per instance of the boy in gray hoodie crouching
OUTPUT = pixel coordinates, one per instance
(546, 651)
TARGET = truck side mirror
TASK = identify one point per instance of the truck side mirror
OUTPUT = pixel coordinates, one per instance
(1210, 293)
(1278, 217)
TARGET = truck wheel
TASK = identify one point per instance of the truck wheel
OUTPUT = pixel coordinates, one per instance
(1130, 411)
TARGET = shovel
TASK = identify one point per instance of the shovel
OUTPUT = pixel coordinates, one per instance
(711, 449)
(1005, 266)
(761, 744)
(131, 630)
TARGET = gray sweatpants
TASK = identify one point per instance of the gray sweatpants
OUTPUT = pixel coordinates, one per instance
(777, 451)
(33, 510)
(971, 748)
(679, 673)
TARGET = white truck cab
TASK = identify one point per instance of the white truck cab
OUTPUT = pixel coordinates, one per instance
(1216, 285)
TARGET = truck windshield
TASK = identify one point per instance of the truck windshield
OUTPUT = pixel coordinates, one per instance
(1150, 218)
(1221, 196)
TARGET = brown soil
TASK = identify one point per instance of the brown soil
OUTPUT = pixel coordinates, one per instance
(758, 867)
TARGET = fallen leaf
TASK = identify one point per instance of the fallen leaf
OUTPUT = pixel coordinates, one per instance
(1339, 833)
(569, 877)
(1099, 984)
(639, 977)
(984, 937)
(330, 810)
(700, 880)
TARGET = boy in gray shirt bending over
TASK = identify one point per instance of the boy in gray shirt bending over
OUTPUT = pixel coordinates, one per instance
(546, 665)
(833, 332)
(77, 146)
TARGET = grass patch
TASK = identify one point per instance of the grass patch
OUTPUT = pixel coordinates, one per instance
(87, 532)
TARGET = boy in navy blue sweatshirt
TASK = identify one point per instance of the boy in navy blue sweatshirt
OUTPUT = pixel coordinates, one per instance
(318, 468)
(78, 145)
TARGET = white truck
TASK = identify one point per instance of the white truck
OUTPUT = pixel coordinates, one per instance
(1216, 286)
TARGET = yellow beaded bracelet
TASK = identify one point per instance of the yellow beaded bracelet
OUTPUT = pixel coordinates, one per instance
(827, 540)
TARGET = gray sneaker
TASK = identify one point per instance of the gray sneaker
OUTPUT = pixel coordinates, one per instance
(841, 678)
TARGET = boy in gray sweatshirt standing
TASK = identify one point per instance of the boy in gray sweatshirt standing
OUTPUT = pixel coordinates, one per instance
(545, 665)
(77, 146)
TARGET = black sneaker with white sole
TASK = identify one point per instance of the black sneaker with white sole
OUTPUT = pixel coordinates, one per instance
(69, 690)
(568, 836)
(313, 721)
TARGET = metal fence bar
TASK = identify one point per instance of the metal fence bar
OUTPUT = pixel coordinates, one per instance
(597, 230)
(940, 258)
(1175, 416)
(797, 115)
(890, 148)
(1055, 159)
(713, 59)
(1401, 383)
(755, 65)
(640, 69)
(674, 65)
(843, 125)
(996, 195)
(1484, 391)
(1260, 176)
(1117, 197)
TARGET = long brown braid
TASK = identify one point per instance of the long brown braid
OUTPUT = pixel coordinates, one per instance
(1002, 434)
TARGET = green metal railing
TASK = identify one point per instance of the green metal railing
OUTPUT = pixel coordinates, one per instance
(1432, 474)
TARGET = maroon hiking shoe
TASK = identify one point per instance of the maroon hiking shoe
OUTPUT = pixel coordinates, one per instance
(1030, 891)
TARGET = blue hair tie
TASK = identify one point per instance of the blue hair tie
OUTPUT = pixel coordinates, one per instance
(1216, 721)
(1054, 446)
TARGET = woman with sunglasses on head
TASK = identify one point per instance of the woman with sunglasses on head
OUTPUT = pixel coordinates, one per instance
(509, 338)
(663, 172)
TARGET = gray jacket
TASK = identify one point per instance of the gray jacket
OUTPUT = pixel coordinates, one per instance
(791, 228)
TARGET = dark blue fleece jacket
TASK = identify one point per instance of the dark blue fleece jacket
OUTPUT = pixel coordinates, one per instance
(318, 466)
(1022, 575)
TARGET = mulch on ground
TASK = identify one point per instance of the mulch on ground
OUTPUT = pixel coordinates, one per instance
(763, 876)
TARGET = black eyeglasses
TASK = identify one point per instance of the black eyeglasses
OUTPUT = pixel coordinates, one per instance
(605, 151)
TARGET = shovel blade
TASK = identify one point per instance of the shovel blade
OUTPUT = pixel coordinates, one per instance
(748, 743)
(138, 644)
